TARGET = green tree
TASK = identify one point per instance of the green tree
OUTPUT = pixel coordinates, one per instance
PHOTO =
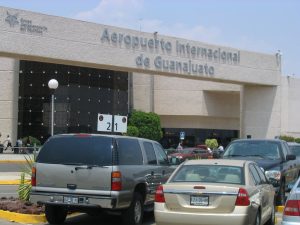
(147, 124)
(132, 131)
(211, 143)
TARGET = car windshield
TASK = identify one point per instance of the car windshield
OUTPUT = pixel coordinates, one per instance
(295, 149)
(261, 149)
(210, 174)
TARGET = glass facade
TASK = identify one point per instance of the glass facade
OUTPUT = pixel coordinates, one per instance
(82, 94)
(194, 137)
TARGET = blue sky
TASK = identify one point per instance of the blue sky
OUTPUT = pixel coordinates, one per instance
(256, 25)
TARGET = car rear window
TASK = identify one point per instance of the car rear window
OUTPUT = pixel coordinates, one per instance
(210, 174)
(73, 150)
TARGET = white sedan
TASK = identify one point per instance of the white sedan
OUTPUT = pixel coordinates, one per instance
(214, 192)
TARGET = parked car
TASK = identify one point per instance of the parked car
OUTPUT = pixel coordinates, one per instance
(93, 173)
(273, 155)
(291, 212)
(188, 153)
(215, 191)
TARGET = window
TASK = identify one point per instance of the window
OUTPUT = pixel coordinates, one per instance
(261, 175)
(129, 152)
(255, 175)
(150, 153)
(209, 174)
(89, 150)
(161, 155)
(81, 95)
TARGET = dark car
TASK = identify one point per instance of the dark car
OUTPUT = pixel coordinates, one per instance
(189, 153)
(273, 156)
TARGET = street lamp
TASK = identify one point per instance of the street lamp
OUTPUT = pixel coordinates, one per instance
(52, 84)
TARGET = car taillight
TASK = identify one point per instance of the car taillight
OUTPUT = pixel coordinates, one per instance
(292, 208)
(116, 181)
(159, 194)
(242, 198)
(33, 176)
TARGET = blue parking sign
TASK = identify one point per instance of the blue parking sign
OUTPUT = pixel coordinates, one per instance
(182, 135)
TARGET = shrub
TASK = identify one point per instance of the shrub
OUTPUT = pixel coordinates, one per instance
(132, 131)
(297, 140)
(287, 138)
(148, 125)
(211, 143)
(32, 141)
(25, 185)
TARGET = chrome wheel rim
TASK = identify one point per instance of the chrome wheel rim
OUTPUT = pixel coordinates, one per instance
(137, 212)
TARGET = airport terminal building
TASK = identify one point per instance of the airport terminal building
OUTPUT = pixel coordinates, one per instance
(202, 89)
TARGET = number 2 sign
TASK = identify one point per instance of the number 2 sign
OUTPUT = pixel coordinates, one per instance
(109, 123)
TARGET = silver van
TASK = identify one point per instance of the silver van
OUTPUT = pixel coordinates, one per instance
(92, 172)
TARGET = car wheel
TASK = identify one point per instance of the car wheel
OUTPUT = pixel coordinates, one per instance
(271, 221)
(257, 218)
(55, 214)
(134, 214)
(280, 199)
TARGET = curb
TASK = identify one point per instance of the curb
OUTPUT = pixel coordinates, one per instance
(10, 182)
(28, 218)
(12, 161)
(279, 209)
(22, 218)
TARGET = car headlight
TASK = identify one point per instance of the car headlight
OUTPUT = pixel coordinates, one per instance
(273, 174)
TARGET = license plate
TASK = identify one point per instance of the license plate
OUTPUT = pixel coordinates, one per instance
(199, 200)
(71, 200)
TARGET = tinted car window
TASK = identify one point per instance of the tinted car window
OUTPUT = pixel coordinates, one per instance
(161, 155)
(255, 175)
(295, 149)
(150, 153)
(261, 175)
(87, 150)
(263, 149)
(129, 152)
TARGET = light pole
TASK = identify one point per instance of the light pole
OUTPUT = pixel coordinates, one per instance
(52, 84)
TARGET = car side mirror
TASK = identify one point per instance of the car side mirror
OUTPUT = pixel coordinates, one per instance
(290, 157)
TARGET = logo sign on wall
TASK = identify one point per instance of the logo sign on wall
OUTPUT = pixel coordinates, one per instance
(110, 123)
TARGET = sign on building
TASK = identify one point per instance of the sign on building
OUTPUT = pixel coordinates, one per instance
(110, 123)
(182, 135)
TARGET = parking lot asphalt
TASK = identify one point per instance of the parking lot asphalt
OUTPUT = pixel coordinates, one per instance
(13, 178)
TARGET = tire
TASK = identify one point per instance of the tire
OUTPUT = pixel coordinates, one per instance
(280, 198)
(134, 214)
(55, 214)
(257, 218)
(271, 221)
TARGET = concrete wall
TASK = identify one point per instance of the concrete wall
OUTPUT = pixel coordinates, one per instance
(260, 111)
(74, 42)
(290, 110)
(185, 103)
(9, 89)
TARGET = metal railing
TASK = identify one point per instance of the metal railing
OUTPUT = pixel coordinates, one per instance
(20, 150)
